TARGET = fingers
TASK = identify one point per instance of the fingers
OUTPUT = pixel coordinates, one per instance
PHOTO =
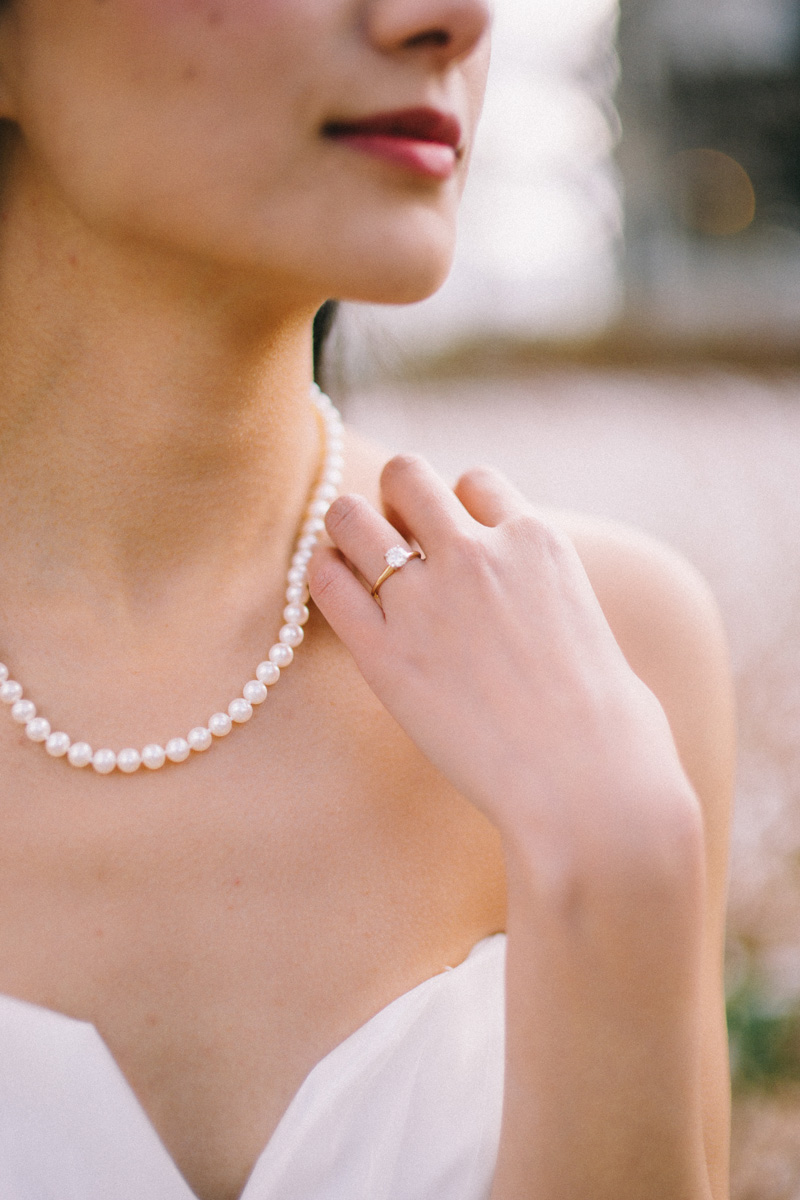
(425, 508)
(432, 512)
(424, 504)
(488, 496)
(362, 535)
(344, 603)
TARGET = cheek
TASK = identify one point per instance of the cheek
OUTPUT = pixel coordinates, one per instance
(155, 71)
(211, 14)
(227, 49)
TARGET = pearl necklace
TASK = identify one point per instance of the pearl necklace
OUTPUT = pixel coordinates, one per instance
(267, 673)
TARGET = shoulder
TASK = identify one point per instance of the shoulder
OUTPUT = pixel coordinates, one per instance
(664, 617)
(667, 623)
(660, 607)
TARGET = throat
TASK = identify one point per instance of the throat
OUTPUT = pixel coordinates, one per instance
(133, 517)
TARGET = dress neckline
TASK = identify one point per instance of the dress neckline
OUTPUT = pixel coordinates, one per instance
(325, 1071)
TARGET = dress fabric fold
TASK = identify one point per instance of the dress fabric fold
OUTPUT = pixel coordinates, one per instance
(406, 1108)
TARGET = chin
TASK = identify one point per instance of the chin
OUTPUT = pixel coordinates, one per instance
(404, 280)
(410, 291)
(391, 261)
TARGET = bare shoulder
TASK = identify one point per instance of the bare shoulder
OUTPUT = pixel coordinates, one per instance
(667, 623)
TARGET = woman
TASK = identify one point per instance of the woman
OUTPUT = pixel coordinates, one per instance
(527, 730)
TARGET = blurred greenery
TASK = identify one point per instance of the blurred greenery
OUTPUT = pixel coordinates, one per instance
(764, 1041)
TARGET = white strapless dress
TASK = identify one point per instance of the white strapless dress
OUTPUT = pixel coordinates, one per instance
(407, 1108)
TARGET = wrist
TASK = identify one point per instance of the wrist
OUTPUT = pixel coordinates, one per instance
(606, 843)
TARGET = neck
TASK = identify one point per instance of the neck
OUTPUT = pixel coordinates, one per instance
(154, 418)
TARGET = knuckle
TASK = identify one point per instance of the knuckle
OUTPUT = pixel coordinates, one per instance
(474, 555)
(537, 535)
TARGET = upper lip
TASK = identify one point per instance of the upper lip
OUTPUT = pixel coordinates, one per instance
(418, 124)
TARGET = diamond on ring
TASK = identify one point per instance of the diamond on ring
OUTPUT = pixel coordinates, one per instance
(397, 557)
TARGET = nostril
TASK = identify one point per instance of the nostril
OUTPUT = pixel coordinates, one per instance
(433, 37)
(444, 31)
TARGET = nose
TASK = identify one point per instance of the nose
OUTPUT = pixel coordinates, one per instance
(446, 30)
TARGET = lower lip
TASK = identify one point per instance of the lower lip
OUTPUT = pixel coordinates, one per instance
(432, 159)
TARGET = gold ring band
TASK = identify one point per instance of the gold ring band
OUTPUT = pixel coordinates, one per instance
(396, 558)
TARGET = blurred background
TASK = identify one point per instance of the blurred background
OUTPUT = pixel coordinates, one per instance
(621, 334)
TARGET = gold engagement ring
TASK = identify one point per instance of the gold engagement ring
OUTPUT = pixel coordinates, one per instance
(396, 559)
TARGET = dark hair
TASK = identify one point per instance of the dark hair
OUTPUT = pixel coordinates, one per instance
(323, 322)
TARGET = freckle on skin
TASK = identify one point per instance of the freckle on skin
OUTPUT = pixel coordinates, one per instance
(73, 260)
(189, 73)
(98, 933)
(215, 17)
(151, 1019)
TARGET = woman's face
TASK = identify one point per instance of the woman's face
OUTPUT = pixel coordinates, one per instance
(232, 130)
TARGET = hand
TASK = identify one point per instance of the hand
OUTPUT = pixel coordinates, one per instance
(494, 655)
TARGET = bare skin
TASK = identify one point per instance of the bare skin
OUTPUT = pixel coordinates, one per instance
(225, 924)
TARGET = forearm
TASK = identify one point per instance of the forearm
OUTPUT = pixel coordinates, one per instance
(496, 657)
(602, 1096)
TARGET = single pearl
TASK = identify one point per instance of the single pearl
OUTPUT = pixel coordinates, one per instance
(38, 730)
(296, 576)
(267, 673)
(57, 744)
(177, 750)
(318, 508)
(326, 491)
(153, 756)
(104, 761)
(199, 738)
(280, 654)
(291, 635)
(254, 692)
(23, 711)
(295, 614)
(10, 691)
(296, 593)
(219, 724)
(129, 760)
(301, 559)
(240, 711)
(307, 543)
(80, 754)
(313, 525)
(334, 463)
(3, 672)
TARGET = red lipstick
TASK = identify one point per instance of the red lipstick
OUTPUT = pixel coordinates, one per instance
(423, 140)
